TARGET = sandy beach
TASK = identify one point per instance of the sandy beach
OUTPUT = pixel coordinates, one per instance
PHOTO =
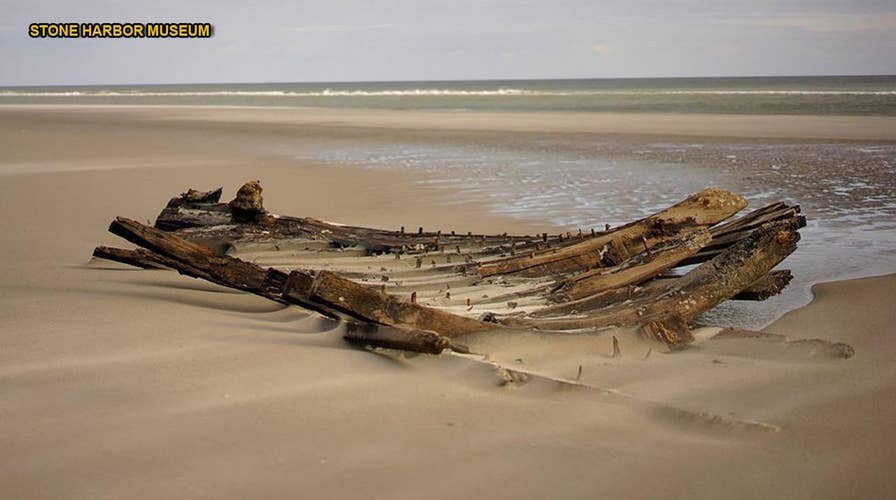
(126, 383)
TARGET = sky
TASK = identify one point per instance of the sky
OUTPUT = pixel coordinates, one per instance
(350, 40)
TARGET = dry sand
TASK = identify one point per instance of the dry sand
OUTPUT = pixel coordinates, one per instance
(122, 383)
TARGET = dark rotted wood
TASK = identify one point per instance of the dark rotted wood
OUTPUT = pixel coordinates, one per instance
(158, 241)
(193, 209)
(248, 205)
(203, 219)
(704, 287)
(325, 292)
(672, 330)
(739, 222)
(200, 217)
(743, 252)
(754, 218)
(194, 260)
(214, 221)
(725, 238)
(375, 335)
(767, 286)
(379, 240)
(140, 255)
(634, 270)
(729, 233)
(371, 305)
(198, 261)
(366, 334)
(705, 208)
(137, 258)
(194, 196)
(759, 290)
(727, 274)
(180, 216)
(607, 298)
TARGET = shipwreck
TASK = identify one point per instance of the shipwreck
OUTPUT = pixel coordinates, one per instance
(421, 290)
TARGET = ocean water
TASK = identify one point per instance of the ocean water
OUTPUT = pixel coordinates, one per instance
(847, 95)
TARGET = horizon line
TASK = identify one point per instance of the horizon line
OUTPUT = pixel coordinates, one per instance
(340, 82)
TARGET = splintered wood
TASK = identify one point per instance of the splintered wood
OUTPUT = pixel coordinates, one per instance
(572, 282)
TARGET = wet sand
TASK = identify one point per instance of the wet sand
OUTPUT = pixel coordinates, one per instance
(877, 128)
(119, 382)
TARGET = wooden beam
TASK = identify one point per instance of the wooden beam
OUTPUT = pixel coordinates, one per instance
(143, 259)
(370, 334)
(704, 287)
(199, 261)
(767, 286)
(371, 305)
(634, 270)
(325, 291)
(729, 233)
(705, 208)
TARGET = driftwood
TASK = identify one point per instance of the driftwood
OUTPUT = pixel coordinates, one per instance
(767, 286)
(138, 258)
(199, 261)
(400, 338)
(457, 283)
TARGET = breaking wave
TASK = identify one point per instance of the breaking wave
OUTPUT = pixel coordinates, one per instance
(429, 93)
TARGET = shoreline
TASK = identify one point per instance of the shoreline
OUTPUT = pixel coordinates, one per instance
(851, 128)
(822, 293)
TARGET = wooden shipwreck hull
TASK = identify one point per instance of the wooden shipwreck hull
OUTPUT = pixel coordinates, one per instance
(419, 290)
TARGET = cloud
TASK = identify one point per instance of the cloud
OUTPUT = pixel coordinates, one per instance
(336, 28)
(836, 23)
(601, 48)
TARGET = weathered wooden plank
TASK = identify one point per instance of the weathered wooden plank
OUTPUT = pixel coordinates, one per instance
(371, 305)
(199, 261)
(194, 196)
(138, 258)
(767, 286)
(193, 209)
(391, 337)
(158, 241)
(326, 292)
(747, 218)
(603, 299)
(705, 208)
(192, 260)
(704, 287)
(729, 233)
(634, 270)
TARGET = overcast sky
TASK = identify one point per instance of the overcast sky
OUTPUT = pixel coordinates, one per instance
(347, 40)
